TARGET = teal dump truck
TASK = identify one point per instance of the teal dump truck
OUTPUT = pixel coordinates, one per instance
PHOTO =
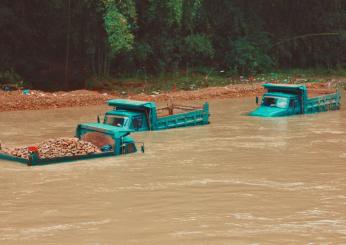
(286, 100)
(143, 116)
(112, 141)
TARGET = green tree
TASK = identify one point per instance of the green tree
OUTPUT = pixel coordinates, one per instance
(119, 35)
(71, 40)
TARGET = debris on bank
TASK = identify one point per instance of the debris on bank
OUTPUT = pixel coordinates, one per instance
(37, 100)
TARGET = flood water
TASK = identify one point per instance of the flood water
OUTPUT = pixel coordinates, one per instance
(239, 180)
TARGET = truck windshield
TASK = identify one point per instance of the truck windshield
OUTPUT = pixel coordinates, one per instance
(275, 102)
(115, 120)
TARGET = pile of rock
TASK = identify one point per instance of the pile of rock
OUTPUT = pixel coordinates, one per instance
(53, 148)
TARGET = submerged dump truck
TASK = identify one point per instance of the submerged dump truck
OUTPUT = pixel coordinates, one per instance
(286, 100)
(108, 140)
(143, 116)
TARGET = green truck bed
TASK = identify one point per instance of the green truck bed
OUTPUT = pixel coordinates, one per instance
(192, 118)
(323, 103)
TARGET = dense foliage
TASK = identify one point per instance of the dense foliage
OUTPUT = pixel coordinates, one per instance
(66, 41)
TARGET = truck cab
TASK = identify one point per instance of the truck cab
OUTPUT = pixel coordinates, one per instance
(108, 138)
(277, 104)
(131, 120)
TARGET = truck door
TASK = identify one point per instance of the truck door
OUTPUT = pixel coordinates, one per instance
(294, 107)
(137, 122)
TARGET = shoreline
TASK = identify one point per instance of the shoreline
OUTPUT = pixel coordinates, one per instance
(38, 100)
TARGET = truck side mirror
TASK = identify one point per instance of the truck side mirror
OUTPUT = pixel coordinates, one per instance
(256, 100)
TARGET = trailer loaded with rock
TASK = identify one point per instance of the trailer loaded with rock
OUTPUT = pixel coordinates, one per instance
(92, 140)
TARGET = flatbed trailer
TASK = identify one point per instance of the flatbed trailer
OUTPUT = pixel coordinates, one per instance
(35, 161)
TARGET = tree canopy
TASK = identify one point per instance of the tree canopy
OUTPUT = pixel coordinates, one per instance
(71, 40)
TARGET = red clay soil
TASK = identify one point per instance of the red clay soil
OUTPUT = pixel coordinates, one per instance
(16, 100)
(37, 100)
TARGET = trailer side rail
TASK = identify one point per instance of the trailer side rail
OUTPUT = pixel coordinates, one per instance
(323, 103)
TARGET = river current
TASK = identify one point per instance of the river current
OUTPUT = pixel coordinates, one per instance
(239, 180)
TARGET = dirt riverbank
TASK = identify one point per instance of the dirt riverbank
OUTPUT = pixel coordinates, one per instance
(37, 100)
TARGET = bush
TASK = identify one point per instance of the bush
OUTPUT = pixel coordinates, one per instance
(197, 49)
(249, 57)
(142, 51)
(166, 55)
(9, 76)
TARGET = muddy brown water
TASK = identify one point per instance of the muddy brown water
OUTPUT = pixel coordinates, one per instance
(239, 180)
